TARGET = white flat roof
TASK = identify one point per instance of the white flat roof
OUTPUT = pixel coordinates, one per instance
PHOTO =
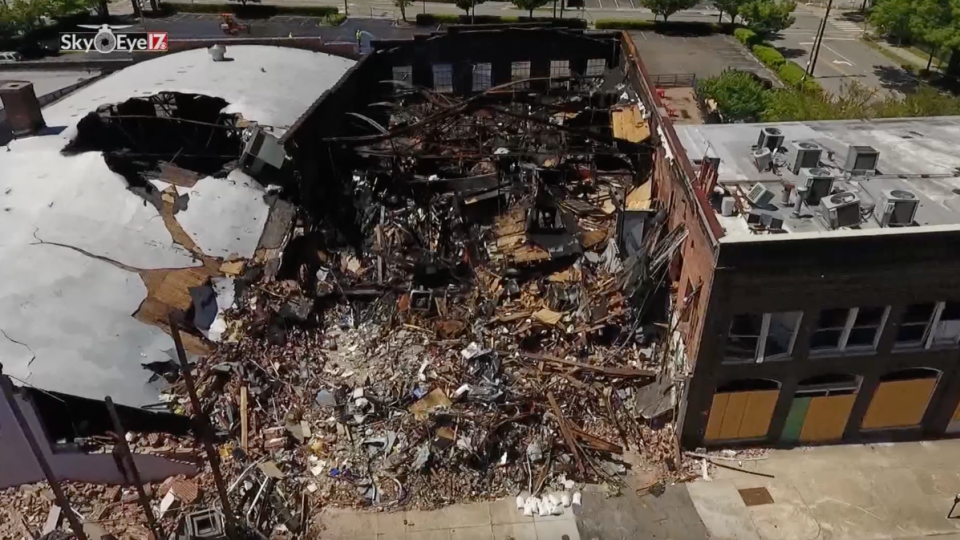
(75, 239)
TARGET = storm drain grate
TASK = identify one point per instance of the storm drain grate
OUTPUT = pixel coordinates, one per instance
(755, 496)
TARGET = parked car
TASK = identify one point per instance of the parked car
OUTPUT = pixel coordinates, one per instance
(10, 56)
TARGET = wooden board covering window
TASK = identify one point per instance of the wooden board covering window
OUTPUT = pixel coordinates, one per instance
(899, 403)
(741, 415)
(629, 124)
(826, 418)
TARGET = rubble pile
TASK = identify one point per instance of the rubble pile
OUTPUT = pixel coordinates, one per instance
(472, 315)
(476, 330)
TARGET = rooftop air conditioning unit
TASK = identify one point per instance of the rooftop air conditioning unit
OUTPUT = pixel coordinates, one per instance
(896, 208)
(840, 210)
(261, 148)
(763, 159)
(862, 160)
(771, 138)
(804, 155)
(759, 195)
(818, 182)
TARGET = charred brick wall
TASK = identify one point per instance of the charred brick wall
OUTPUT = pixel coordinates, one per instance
(810, 274)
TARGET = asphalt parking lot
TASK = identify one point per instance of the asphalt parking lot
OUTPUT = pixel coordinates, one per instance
(703, 56)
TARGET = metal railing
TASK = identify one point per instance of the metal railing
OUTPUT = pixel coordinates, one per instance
(674, 80)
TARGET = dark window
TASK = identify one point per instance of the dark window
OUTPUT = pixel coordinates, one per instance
(947, 330)
(913, 328)
(833, 323)
(743, 337)
(866, 327)
(780, 332)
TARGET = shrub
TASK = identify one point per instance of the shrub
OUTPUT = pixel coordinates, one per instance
(335, 19)
(739, 95)
(251, 11)
(746, 36)
(791, 73)
(769, 56)
(622, 24)
(431, 19)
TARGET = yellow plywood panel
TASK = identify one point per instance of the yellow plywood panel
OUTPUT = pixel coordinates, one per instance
(827, 418)
(898, 403)
(759, 411)
(716, 417)
(629, 124)
(733, 415)
(956, 414)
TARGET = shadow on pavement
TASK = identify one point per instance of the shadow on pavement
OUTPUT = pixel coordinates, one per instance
(895, 78)
(790, 53)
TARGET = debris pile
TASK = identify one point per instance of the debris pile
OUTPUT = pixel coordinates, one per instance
(471, 314)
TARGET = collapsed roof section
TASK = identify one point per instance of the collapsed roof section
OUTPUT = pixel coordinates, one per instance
(132, 203)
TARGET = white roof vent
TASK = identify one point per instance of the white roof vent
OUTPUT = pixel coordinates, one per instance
(803, 155)
(759, 195)
(218, 52)
(840, 210)
(896, 208)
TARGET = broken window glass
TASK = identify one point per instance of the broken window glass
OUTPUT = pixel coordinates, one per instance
(744, 337)
(947, 330)
(781, 331)
(913, 328)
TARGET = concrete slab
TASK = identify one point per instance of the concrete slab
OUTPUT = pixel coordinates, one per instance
(557, 530)
(468, 515)
(516, 531)
(483, 532)
(722, 510)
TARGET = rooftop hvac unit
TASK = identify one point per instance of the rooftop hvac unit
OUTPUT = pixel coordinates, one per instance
(759, 195)
(896, 208)
(803, 155)
(261, 148)
(818, 182)
(770, 138)
(840, 210)
(763, 159)
(862, 160)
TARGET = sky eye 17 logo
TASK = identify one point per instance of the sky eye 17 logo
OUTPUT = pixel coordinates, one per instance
(105, 40)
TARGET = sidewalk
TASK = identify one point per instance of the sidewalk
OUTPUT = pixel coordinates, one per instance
(846, 492)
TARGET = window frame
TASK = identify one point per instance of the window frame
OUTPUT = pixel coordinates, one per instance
(442, 69)
(925, 341)
(928, 340)
(519, 71)
(485, 69)
(596, 67)
(843, 346)
(759, 352)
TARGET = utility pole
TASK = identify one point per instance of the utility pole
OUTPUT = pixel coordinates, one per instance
(7, 388)
(817, 42)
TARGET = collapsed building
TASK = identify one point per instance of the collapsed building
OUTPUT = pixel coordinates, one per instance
(470, 265)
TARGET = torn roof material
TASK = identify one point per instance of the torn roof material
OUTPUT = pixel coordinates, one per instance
(90, 266)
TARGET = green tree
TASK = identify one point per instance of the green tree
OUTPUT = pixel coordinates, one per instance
(666, 8)
(402, 4)
(739, 95)
(768, 16)
(893, 17)
(529, 5)
(731, 7)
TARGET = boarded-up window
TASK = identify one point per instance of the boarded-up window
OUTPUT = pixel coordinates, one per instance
(901, 399)
(742, 414)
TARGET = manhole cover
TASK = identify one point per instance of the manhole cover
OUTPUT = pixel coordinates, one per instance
(755, 496)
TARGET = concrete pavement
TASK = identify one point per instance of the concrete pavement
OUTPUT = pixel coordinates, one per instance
(846, 492)
(843, 56)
